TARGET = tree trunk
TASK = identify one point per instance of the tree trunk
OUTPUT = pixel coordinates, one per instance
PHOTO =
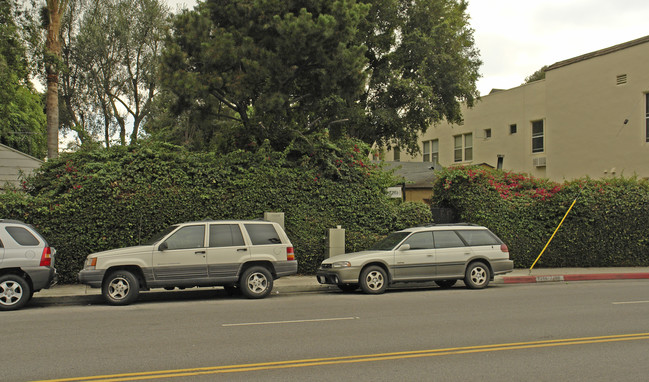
(53, 52)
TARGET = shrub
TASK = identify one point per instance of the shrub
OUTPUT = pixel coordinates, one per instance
(90, 201)
(606, 227)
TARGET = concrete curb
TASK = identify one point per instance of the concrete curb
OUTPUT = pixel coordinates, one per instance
(574, 277)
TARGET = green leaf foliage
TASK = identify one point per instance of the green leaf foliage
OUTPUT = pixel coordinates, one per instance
(91, 201)
(605, 228)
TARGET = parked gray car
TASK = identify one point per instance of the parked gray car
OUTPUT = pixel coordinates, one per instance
(439, 253)
(238, 255)
(26, 264)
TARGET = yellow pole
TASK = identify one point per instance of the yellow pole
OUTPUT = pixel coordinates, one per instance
(555, 232)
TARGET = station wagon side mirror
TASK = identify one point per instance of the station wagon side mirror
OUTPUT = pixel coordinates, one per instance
(405, 247)
(163, 247)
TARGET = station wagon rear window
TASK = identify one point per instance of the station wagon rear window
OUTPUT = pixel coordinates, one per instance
(478, 237)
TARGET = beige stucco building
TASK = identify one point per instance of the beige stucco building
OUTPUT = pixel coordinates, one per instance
(588, 117)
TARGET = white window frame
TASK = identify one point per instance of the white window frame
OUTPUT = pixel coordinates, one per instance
(536, 137)
(463, 148)
(646, 117)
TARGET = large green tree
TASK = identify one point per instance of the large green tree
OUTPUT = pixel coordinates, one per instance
(22, 119)
(240, 71)
(265, 69)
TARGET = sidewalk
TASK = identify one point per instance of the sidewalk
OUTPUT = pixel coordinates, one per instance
(297, 284)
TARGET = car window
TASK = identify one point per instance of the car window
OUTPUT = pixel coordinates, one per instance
(192, 236)
(420, 240)
(447, 239)
(22, 236)
(225, 235)
(156, 238)
(388, 242)
(478, 237)
(261, 234)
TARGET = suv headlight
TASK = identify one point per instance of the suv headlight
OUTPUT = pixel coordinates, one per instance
(341, 264)
(91, 262)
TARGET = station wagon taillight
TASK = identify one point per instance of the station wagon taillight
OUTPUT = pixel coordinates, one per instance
(503, 248)
(46, 257)
(289, 254)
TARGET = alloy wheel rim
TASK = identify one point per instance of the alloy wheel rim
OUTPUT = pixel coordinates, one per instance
(118, 288)
(10, 293)
(257, 282)
(374, 280)
(478, 275)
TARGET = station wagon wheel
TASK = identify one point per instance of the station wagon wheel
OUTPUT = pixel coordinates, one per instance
(445, 284)
(477, 276)
(256, 282)
(374, 280)
(14, 292)
(120, 288)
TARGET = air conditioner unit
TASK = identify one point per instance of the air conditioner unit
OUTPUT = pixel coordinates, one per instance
(539, 162)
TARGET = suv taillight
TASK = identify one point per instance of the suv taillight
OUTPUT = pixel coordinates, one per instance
(46, 257)
(290, 256)
(503, 248)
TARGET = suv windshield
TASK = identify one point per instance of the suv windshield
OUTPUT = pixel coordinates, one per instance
(389, 242)
(159, 236)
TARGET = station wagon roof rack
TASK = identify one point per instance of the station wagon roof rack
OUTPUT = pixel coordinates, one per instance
(453, 224)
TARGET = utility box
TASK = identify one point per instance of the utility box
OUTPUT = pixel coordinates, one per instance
(336, 241)
(275, 217)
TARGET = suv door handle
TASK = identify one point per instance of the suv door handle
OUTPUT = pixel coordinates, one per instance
(200, 252)
(242, 249)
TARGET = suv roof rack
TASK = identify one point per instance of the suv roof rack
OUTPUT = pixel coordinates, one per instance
(453, 224)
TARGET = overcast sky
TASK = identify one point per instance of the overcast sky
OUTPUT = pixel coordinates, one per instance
(518, 37)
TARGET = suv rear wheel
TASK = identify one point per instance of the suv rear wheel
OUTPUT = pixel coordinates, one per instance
(14, 292)
(120, 288)
(256, 282)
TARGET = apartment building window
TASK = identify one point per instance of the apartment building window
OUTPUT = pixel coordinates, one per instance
(487, 133)
(463, 147)
(513, 128)
(431, 151)
(537, 137)
(647, 117)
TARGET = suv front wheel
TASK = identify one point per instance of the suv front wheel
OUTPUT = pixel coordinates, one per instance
(14, 292)
(256, 282)
(120, 288)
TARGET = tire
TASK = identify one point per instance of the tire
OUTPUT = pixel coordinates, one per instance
(374, 280)
(477, 276)
(14, 292)
(445, 284)
(347, 288)
(256, 282)
(120, 288)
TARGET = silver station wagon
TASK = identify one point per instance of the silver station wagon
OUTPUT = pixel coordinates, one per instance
(245, 255)
(439, 253)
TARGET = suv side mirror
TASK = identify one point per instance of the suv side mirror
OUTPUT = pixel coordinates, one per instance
(404, 247)
(163, 247)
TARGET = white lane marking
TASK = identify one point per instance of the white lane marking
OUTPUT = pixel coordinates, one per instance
(293, 321)
(630, 302)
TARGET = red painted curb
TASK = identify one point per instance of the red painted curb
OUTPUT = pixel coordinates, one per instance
(578, 277)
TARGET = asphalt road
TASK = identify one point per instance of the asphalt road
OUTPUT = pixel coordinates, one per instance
(585, 331)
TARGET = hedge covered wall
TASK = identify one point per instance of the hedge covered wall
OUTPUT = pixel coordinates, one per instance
(90, 201)
(608, 225)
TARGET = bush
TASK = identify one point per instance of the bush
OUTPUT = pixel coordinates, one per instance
(91, 201)
(606, 227)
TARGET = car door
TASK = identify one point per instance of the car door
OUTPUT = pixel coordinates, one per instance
(182, 255)
(226, 251)
(417, 261)
(452, 253)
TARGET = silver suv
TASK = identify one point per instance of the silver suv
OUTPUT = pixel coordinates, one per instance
(439, 253)
(26, 264)
(246, 255)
